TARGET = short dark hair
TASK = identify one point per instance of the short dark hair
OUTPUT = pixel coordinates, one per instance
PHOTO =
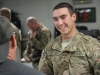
(65, 5)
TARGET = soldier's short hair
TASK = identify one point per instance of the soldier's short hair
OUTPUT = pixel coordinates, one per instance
(31, 20)
(65, 5)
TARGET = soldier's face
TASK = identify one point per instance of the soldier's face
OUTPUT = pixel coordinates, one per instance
(32, 26)
(64, 22)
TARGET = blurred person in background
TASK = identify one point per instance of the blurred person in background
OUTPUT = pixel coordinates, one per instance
(7, 13)
(39, 37)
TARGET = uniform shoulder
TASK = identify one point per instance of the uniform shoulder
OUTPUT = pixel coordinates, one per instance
(13, 26)
(44, 28)
(87, 40)
(50, 44)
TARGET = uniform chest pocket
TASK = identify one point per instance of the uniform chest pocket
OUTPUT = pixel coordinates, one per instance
(54, 55)
(79, 54)
(55, 58)
(79, 59)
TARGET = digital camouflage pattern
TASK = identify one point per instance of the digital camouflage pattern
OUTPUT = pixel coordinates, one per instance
(37, 44)
(85, 58)
(18, 40)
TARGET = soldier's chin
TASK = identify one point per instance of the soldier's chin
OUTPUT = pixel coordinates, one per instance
(64, 33)
(34, 30)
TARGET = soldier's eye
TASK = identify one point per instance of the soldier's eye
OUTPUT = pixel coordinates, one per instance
(55, 19)
(63, 17)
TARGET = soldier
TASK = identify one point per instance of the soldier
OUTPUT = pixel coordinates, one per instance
(71, 53)
(39, 36)
(7, 13)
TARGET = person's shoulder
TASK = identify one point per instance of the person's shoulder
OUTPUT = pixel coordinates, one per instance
(89, 40)
(15, 29)
(13, 26)
(20, 69)
(56, 40)
(44, 28)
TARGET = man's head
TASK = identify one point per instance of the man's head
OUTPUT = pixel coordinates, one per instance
(32, 23)
(7, 39)
(64, 18)
(6, 12)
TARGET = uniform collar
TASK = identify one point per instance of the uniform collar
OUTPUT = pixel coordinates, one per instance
(71, 47)
(39, 29)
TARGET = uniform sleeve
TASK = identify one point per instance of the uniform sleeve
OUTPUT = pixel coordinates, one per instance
(45, 65)
(27, 52)
(93, 53)
(18, 37)
(44, 39)
(19, 41)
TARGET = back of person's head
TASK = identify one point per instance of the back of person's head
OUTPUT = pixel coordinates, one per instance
(6, 33)
(64, 5)
(6, 12)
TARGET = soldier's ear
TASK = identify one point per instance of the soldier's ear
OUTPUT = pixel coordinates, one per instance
(12, 48)
(73, 16)
(13, 41)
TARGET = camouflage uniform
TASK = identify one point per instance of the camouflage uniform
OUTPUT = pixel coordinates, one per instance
(85, 58)
(18, 40)
(37, 44)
